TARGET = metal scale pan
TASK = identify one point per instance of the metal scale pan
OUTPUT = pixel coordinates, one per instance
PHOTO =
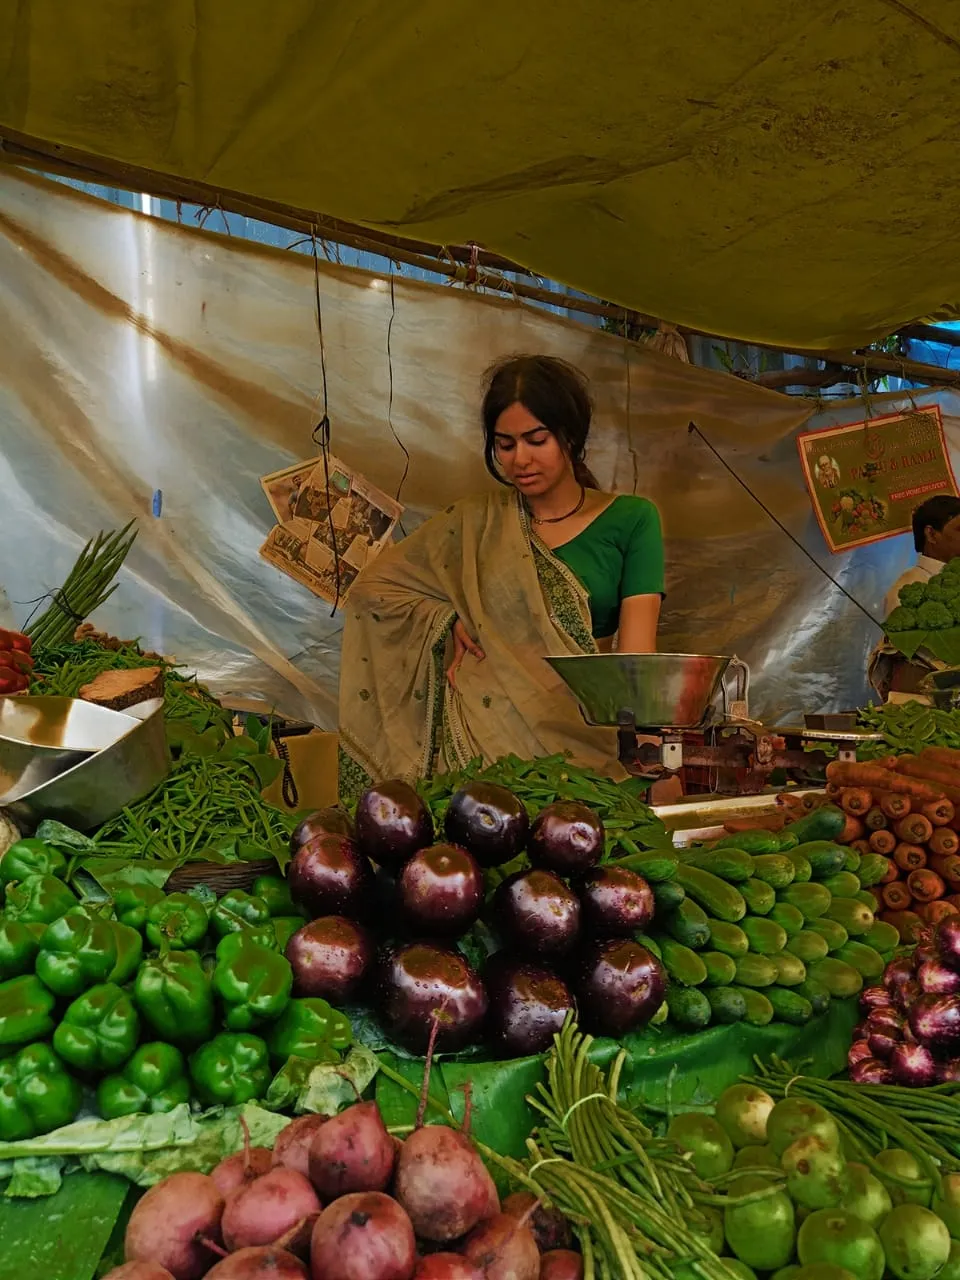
(644, 690)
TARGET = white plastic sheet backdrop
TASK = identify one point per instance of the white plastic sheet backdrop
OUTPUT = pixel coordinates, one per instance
(137, 356)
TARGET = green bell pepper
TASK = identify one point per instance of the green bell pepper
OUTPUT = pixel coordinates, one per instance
(38, 900)
(253, 982)
(99, 1030)
(230, 1070)
(132, 902)
(155, 1079)
(31, 857)
(82, 949)
(179, 921)
(26, 1011)
(19, 944)
(309, 1028)
(173, 993)
(285, 927)
(237, 910)
(275, 892)
(37, 1094)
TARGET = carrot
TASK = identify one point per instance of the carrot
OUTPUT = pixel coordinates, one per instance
(943, 841)
(925, 885)
(907, 923)
(893, 871)
(876, 819)
(953, 898)
(850, 774)
(939, 812)
(770, 822)
(909, 857)
(856, 800)
(933, 912)
(832, 789)
(896, 896)
(942, 755)
(947, 867)
(937, 780)
(913, 829)
(883, 842)
(893, 805)
(862, 847)
(853, 830)
(877, 896)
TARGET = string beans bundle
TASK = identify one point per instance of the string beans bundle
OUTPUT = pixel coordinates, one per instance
(88, 585)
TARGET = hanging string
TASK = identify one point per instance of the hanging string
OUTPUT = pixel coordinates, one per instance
(321, 432)
(393, 430)
(693, 428)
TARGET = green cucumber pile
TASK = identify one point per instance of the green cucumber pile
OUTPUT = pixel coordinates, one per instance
(764, 926)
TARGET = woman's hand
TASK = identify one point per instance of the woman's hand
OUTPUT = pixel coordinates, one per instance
(463, 644)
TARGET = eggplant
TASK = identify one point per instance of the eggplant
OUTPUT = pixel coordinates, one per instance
(935, 979)
(330, 958)
(619, 987)
(884, 1030)
(489, 821)
(324, 822)
(872, 998)
(906, 995)
(537, 913)
(948, 941)
(898, 972)
(615, 902)
(948, 1072)
(566, 837)
(913, 1065)
(858, 1052)
(328, 876)
(392, 824)
(421, 981)
(935, 1021)
(870, 1071)
(528, 1006)
(441, 890)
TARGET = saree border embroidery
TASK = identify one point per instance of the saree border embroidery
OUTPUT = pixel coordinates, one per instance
(567, 599)
(352, 778)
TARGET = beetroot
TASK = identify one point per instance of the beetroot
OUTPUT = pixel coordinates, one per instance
(550, 1228)
(261, 1211)
(330, 958)
(260, 1263)
(352, 1152)
(503, 1248)
(871, 1071)
(139, 1271)
(167, 1224)
(446, 1266)
(561, 1264)
(936, 979)
(328, 876)
(243, 1166)
(292, 1147)
(948, 941)
(366, 1236)
(441, 1182)
(858, 1052)
(935, 1021)
(913, 1065)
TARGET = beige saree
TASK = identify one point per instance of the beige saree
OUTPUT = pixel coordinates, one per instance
(478, 561)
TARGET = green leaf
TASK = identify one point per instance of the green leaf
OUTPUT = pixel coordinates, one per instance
(35, 1176)
(267, 768)
(329, 1088)
(113, 874)
(63, 837)
(62, 1236)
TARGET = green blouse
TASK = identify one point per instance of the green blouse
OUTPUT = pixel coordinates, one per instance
(619, 554)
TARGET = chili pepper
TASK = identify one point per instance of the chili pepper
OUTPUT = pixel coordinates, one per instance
(37, 1094)
(19, 944)
(26, 1010)
(230, 1069)
(172, 992)
(237, 910)
(179, 921)
(154, 1079)
(82, 949)
(253, 982)
(310, 1028)
(132, 902)
(99, 1030)
(275, 892)
(39, 900)
(31, 857)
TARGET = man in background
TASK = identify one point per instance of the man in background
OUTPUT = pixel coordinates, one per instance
(936, 537)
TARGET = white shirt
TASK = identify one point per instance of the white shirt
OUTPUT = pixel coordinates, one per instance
(925, 569)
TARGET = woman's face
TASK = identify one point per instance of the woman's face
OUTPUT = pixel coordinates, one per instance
(530, 455)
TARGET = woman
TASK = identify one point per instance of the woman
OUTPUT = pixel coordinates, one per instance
(446, 632)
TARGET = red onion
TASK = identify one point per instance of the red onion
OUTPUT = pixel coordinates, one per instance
(913, 1065)
(935, 1021)
(937, 980)
(858, 1053)
(875, 998)
(897, 973)
(948, 941)
(870, 1071)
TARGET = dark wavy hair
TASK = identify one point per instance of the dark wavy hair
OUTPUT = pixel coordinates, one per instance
(554, 392)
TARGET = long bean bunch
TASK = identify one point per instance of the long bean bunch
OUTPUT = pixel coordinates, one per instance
(88, 585)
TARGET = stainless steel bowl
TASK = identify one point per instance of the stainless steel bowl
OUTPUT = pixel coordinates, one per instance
(649, 690)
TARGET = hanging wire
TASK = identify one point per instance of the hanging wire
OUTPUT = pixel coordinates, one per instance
(321, 432)
(692, 429)
(393, 430)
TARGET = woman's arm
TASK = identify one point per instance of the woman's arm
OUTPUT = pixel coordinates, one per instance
(639, 616)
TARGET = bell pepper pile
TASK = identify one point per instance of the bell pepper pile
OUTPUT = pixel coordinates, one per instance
(146, 1000)
(16, 663)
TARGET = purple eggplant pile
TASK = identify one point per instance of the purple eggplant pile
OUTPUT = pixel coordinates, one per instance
(910, 1034)
(390, 898)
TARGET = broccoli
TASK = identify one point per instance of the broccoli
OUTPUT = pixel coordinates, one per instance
(935, 590)
(913, 595)
(901, 619)
(951, 569)
(934, 616)
(954, 606)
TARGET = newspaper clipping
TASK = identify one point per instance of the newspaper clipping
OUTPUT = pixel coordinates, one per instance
(316, 503)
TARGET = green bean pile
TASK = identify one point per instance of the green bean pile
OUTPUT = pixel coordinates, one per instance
(907, 728)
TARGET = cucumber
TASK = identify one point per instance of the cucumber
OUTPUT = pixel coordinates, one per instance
(834, 934)
(867, 962)
(765, 936)
(653, 864)
(722, 900)
(788, 918)
(688, 924)
(756, 971)
(824, 823)
(839, 978)
(852, 860)
(802, 870)
(811, 900)
(843, 884)
(855, 917)
(652, 945)
(759, 896)
(726, 1004)
(721, 968)
(732, 865)
(808, 946)
(759, 1010)
(788, 841)
(667, 894)
(882, 937)
(868, 900)
(873, 867)
(816, 993)
(689, 1008)
(790, 1007)
(825, 857)
(683, 965)
(775, 869)
(728, 938)
(792, 970)
(758, 841)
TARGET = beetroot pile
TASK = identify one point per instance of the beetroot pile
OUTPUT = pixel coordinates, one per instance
(340, 1199)
(911, 1032)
